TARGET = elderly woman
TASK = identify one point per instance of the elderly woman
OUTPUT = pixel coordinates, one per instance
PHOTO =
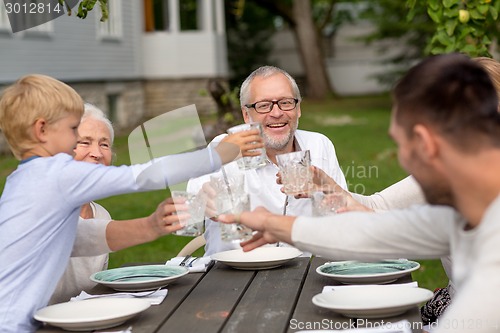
(97, 233)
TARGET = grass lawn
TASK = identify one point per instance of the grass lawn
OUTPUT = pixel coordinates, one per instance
(358, 128)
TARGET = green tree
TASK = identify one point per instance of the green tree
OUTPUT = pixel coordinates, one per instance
(298, 14)
(467, 26)
(249, 30)
(86, 6)
(392, 28)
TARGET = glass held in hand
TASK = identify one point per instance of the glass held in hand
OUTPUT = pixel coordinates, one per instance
(234, 204)
(296, 173)
(328, 203)
(250, 162)
(195, 224)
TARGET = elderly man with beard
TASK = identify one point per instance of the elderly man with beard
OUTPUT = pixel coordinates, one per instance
(447, 128)
(270, 96)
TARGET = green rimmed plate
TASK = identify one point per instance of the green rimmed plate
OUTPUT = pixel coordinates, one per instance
(356, 272)
(139, 278)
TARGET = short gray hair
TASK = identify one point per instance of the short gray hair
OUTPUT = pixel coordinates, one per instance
(265, 71)
(92, 111)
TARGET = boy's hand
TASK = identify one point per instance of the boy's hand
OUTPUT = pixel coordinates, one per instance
(240, 144)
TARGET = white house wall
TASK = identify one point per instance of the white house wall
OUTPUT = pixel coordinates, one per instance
(352, 67)
(73, 52)
(184, 55)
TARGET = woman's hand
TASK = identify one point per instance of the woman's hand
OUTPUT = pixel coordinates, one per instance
(164, 220)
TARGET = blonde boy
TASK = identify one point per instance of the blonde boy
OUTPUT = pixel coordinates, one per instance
(40, 204)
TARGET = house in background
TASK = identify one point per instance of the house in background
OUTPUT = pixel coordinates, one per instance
(130, 66)
(153, 56)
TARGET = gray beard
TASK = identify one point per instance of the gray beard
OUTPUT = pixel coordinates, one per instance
(279, 144)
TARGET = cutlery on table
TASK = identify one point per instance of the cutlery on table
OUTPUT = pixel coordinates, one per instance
(184, 261)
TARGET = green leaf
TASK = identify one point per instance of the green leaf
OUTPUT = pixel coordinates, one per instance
(453, 12)
(450, 26)
(103, 4)
(493, 12)
(411, 3)
(90, 4)
(483, 9)
(449, 3)
(433, 4)
(437, 50)
(469, 49)
(434, 15)
(443, 38)
(476, 15)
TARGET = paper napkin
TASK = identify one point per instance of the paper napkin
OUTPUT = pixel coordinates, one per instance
(194, 264)
(332, 288)
(154, 298)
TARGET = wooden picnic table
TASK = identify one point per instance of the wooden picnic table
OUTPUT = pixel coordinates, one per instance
(230, 300)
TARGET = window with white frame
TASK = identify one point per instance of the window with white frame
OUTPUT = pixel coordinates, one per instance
(4, 19)
(112, 27)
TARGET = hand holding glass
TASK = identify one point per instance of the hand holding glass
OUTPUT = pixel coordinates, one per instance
(296, 174)
(328, 203)
(194, 226)
(250, 162)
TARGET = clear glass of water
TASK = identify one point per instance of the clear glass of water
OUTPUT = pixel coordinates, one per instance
(327, 203)
(296, 173)
(195, 225)
(236, 203)
(250, 162)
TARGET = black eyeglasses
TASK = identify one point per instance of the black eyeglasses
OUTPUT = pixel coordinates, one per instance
(285, 104)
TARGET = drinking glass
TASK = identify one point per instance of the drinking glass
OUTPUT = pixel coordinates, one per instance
(250, 162)
(195, 225)
(327, 203)
(236, 203)
(296, 174)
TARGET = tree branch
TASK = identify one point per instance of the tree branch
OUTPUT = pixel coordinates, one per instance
(326, 19)
(281, 8)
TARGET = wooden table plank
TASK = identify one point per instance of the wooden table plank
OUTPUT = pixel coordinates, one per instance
(150, 320)
(211, 302)
(270, 299)
(309, 316)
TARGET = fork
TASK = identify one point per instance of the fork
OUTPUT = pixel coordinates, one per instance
(125, 293)
(185, 260)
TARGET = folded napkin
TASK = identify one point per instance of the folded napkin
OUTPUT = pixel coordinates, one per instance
(154, 298)
(194, 264)
(332, 288)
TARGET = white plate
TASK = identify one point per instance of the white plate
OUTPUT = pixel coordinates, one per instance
(139, 278)
(355, 272)
(372, 301)
(260, 258)
(91, 314)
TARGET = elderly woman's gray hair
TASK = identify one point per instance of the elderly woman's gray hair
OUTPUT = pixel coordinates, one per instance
(265, 71)
(92, 111)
